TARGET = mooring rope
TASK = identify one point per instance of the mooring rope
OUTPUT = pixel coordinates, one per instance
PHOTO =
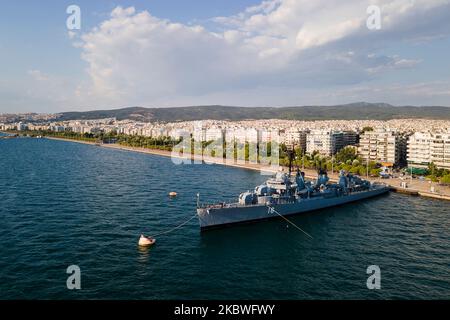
(273, 209)
(194, 216)
(175, 228)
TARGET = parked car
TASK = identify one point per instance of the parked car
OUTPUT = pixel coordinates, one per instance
(384, 175)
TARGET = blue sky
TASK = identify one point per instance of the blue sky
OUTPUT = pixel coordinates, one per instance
(164, 53)
(33, 34)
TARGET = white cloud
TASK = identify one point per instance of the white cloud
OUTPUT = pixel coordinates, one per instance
(136, 58)
(281, 52)
(71, 34)
(38, 75)
(383, 63)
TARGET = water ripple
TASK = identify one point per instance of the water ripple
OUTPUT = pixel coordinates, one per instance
(66, 203)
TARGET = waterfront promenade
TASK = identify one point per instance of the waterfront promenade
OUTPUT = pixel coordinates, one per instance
(414, 187)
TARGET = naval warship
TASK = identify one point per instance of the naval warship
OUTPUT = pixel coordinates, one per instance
(286, 194)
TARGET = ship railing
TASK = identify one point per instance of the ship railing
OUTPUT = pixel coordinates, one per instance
(238, 205)
(223, 205)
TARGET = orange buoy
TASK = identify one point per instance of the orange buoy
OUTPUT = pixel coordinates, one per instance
(146, 241)
(173, 194)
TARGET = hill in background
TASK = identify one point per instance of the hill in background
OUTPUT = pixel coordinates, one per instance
(354, 111)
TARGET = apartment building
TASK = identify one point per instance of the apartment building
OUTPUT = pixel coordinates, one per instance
(328, 142)
(427, 147)
(21, 126)
(268, 135)
(178, 133)
(383, 146)
(214, 134)
(8, 126)
(350, 138)
(295, 138)
(242, 135)
(159, 132)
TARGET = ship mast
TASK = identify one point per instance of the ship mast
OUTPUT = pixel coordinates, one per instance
(290, 153)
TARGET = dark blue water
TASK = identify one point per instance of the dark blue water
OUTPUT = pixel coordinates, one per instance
(64, 203)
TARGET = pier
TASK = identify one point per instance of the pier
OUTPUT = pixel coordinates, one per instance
(404, 191)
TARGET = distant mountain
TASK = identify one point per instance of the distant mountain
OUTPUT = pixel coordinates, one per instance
(353, 111)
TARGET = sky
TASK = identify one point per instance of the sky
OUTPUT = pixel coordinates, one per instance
(169, 53)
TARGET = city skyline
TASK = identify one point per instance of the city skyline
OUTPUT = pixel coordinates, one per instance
(384, 142)
(244, 53)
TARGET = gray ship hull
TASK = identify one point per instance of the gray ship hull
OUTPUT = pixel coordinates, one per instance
(227, 215)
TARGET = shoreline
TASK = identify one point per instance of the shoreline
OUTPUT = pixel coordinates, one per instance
(168, 154)
(394, 183)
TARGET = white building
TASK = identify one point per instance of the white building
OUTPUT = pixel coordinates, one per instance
(214, 134)
(242, 135)
(178, 133)
(157, 132)
(294, 137)
(269, 135)
(58, 128)
(21, 126)
(326, 142)
(146, 132)
(382, 145)
(427, 147)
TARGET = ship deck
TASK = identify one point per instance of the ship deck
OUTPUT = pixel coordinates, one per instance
(280, 201)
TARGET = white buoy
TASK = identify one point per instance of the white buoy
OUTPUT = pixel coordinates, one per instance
(146, 241)
(173, 194)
